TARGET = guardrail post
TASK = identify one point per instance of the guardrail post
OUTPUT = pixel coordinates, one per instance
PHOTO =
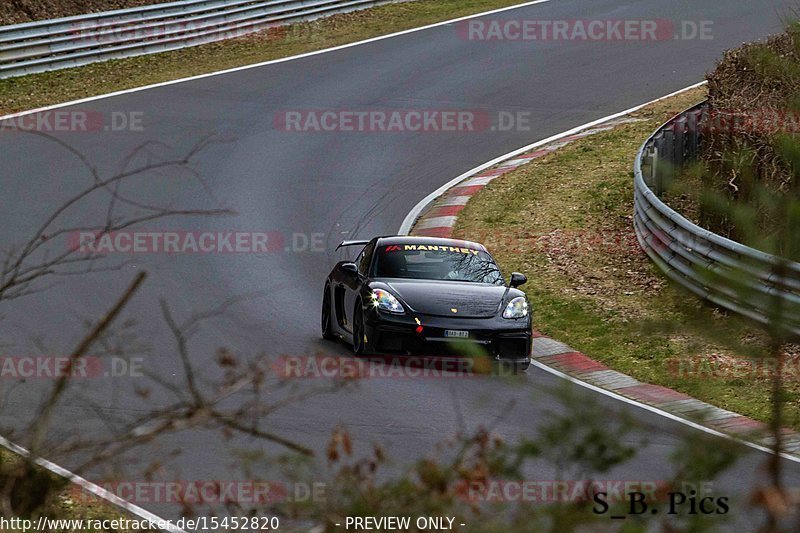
(679, 151)
(649, 157)
(692, 146)
(661, 162)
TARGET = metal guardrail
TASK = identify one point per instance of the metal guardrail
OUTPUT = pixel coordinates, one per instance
(724, 272)
(74, 41)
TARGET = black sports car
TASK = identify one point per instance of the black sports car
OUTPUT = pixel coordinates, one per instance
(427, 296)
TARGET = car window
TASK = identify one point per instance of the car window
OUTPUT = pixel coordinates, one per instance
(446, 263)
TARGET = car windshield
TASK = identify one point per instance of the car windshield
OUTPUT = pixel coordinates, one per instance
(446, 263)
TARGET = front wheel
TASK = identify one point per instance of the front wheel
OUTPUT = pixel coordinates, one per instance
(505, 368)
(360, 342)
(327, 329)
(521, 368)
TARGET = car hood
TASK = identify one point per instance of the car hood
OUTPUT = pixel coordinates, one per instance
(430, 297)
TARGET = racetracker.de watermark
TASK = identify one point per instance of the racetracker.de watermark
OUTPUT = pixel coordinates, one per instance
(388, 366)
(115, 32)
(56, 367)
(383, 120)
(426, 121)
(522, 240)
(732, 368)
(194, 242)
(762, 121)
(585, 30)
(570, 490)
(210, 492)
(75, 121)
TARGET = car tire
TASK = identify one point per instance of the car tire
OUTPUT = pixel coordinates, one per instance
(360, 344)
(521, 368)
(326, 317)
(512, 369)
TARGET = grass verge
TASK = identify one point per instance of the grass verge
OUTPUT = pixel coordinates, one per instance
(38, 90)
(566, 221)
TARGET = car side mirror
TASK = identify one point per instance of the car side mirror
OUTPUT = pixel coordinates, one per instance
(350, 268)
(517, 279)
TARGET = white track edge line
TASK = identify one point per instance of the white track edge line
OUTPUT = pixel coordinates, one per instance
(91, 487)
(270, 62)
(661, 412)
(412, 216)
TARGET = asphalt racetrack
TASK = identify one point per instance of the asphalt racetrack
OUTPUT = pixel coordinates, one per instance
(313, 189)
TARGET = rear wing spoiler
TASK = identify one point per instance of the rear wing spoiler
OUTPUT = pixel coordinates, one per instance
(352, 243)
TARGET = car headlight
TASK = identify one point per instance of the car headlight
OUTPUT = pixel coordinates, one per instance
(385, 301)
(516, 308)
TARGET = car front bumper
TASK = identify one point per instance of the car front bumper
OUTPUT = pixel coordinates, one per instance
(505, 340)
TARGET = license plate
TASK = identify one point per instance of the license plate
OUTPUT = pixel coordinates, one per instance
(456, 333)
